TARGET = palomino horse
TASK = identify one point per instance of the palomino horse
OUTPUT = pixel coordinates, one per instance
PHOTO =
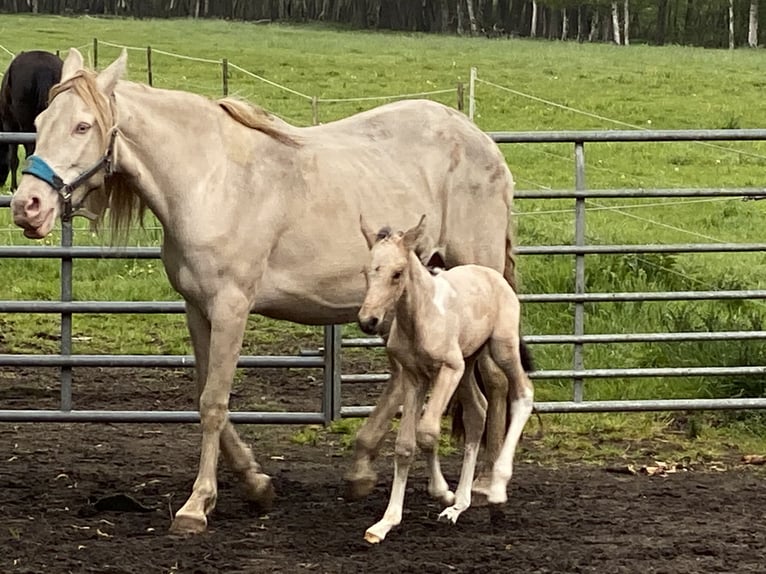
(440, 324)
(23, 95)
(260, 215)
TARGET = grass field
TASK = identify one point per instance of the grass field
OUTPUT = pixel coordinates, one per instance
(646, 87)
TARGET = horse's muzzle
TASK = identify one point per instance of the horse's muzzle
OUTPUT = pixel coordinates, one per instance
(369, 325)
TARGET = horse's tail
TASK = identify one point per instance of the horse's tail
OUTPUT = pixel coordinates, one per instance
(509, 269)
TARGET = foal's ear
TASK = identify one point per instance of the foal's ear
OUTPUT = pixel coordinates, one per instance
(72, 64)
(369, 235)
(107, 79)
(412, 236)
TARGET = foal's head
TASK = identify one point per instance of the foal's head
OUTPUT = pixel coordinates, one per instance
(385, 272)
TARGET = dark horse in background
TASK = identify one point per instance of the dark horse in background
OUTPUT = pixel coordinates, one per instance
(23, 95)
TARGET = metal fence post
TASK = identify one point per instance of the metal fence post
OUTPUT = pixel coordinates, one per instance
(331, 388)
(66, 317)
(579, 311)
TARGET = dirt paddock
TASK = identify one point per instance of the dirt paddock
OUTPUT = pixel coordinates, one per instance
(87, 498)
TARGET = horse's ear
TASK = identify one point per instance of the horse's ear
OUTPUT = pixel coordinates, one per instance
(369, 235)
(107, 79)
(433, 259)
(412, 236)
(72, 64)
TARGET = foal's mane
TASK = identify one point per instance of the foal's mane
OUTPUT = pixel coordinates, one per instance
(117, 193)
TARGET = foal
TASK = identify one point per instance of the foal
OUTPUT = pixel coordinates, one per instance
(440, 324)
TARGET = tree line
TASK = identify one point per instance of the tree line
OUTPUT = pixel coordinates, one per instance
(710, 23)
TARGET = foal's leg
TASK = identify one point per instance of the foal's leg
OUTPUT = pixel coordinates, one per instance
(361, 478)
(520, 396)
(474, 415)
(229, 314)
(496, 388)
(444, 386)
(414, 395)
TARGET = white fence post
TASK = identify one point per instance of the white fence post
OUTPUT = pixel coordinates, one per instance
(472, 94)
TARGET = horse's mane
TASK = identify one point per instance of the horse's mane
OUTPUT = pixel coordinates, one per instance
(117, 194)
(256, 118)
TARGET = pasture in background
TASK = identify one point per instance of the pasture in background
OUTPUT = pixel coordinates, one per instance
(519, 83)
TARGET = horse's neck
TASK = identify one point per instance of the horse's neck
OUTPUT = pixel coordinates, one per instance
(416, 301)
(159, 130)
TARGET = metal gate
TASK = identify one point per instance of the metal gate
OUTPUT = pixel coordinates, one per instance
(328, 358)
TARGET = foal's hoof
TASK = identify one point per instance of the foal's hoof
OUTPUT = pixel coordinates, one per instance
(480, 491)
(188, 524)
(360, 487)
(479, 498)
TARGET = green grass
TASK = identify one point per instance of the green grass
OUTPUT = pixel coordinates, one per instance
(649, 87)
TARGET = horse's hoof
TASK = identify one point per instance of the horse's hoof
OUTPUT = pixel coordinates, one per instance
(373, 538)
(479, 498)
(450, 514)
(360, 487)
(260, 490)
(188, 524)
(497, 497)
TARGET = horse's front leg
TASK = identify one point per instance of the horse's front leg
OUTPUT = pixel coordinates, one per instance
(444, 386)
(228, 313)
(474, 415)
(361, 477)
(414, 396)
(236, 453)
(13, 160)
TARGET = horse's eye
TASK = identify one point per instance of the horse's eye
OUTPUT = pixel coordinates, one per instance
(396, 276)
(82, 127)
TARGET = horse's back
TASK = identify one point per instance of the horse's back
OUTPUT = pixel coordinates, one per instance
(26, 85)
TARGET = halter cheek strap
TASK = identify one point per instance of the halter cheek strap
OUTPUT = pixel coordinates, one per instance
(39, 168)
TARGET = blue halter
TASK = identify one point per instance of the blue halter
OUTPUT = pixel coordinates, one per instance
(39, 168)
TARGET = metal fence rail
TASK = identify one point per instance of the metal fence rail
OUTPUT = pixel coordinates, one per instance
(328, 358)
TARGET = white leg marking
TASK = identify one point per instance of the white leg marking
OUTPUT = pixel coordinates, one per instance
(393, 515)
(521, 409)
(463, 494)
(437, 484)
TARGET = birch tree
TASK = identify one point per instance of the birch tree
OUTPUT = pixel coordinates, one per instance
(533, 25)
(731, 24)
(472, 17)
(752, 29)
(616, 24)
(626, 23)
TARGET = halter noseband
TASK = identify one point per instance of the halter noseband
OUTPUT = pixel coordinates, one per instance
(39, 168)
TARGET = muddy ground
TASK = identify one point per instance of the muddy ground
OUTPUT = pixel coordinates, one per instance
(60, 487)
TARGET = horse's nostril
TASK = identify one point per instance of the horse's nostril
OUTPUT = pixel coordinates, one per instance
(33, 206)
(368, 324)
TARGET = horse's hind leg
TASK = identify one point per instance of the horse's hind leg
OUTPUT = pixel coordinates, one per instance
(361, 477)
(474, 415)
(506, 352)
(496, 388)
(218, 432)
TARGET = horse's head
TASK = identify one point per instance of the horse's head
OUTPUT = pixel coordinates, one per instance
(386, 272)
(74, 139)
